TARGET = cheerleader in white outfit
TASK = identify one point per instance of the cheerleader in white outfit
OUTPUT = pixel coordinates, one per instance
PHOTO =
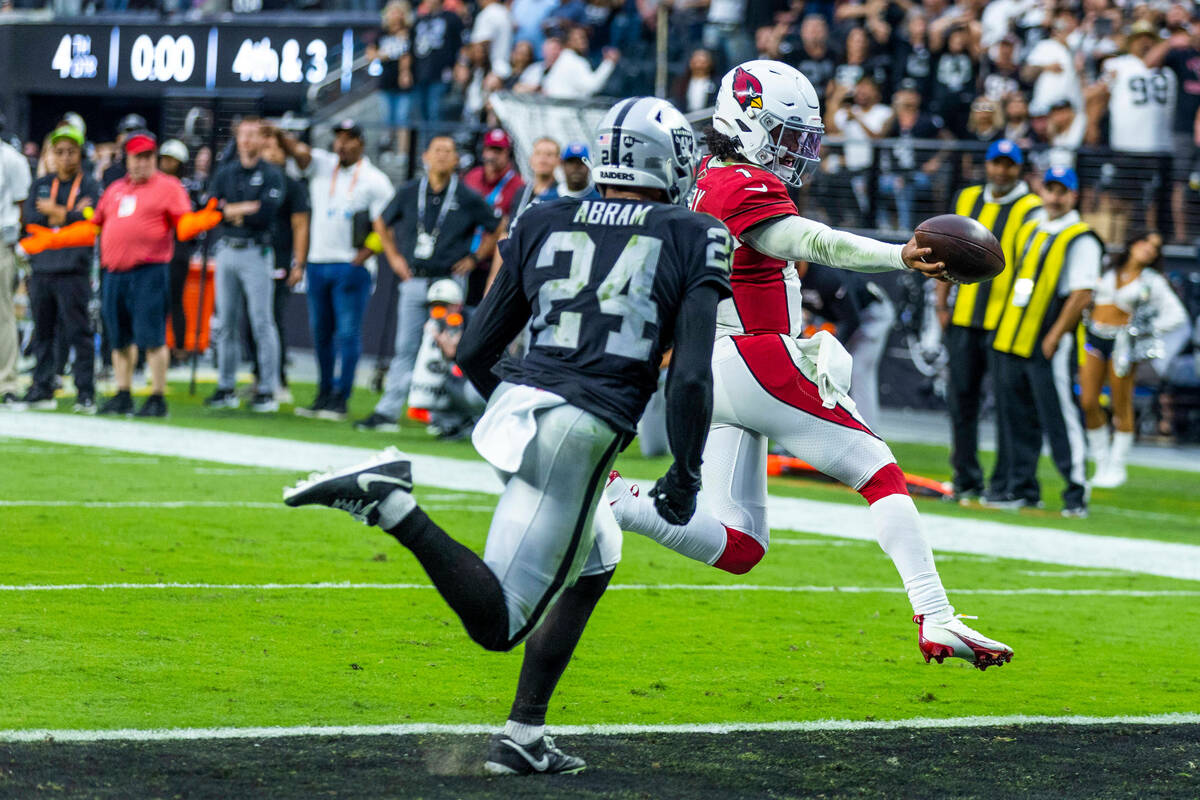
(1133, 306)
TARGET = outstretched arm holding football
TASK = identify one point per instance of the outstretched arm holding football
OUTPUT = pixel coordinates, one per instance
(794, 238)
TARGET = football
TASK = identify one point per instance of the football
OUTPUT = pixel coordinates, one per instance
(969, 250)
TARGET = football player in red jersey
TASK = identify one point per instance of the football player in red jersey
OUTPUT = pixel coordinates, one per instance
(769, 385)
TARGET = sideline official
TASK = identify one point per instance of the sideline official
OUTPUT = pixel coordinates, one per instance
(427, 231)
(251, 191)
(60, 286)
(1003, 204)
(1057, 266)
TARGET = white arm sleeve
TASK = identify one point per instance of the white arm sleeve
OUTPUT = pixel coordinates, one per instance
(794, 238)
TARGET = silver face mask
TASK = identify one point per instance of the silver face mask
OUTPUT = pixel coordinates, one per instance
(794, 149)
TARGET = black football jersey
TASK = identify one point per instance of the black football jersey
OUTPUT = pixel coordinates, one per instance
(604, 280)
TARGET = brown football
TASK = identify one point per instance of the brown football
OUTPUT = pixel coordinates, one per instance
(970, 251)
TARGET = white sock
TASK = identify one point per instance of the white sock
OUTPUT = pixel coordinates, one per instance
(703, 538)
(394, 508)
(523, 734)
(1122, 441)
(898, 529)
(1097, 443)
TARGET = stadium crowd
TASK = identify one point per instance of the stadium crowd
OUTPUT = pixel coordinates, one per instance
(900, 83)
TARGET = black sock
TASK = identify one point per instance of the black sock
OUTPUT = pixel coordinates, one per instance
(549, 649)
(464, 581)
(123, 393)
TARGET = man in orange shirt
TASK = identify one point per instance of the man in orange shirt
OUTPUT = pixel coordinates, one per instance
(140, 214)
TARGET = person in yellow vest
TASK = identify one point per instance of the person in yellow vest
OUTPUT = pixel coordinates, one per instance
(1057, 266)
(1003, 204)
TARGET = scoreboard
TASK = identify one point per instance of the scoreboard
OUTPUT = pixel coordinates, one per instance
(280, 60)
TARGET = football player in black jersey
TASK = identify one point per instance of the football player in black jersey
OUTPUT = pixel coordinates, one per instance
(606, 286)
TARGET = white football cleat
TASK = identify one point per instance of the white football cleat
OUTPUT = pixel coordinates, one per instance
(954, 639)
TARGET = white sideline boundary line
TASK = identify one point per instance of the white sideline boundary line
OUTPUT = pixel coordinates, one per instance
(954, 534)
(628, 587)
(418, 729)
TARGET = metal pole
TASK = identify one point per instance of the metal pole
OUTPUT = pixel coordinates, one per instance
(660, 71)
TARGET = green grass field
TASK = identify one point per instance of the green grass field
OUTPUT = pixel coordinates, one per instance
(244, 654)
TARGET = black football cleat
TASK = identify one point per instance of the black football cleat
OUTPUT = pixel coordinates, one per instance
(506, 757)
(357, 490)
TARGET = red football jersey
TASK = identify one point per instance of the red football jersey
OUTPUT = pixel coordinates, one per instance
(766, 291)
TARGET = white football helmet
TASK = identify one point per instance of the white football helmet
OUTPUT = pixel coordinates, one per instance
(646, 142)
(772, 114)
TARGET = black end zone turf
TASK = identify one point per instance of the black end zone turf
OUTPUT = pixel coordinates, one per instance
(1058, 762)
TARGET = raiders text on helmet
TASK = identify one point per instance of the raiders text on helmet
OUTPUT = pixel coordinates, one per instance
(772, 114)
(646, 142)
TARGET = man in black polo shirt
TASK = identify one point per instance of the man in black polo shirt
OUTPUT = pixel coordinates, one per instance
(251, 191)
(60, 288)
(427, 230)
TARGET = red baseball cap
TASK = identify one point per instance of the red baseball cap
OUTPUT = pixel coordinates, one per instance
(140, 142)
(497, 138)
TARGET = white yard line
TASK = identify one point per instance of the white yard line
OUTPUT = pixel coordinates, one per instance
(424, 729)
(618, 587)
(954, 534)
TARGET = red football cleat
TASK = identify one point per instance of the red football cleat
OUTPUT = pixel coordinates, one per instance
(953, 639)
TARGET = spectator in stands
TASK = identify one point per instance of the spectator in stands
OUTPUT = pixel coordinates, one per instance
(427, 231)
(954, 79)
(859, 121)
(999, 73)
(437, 37)
(986, 121)
(1065, 129)
(696, 88)
(173, 160)
(15, 178)
(727, 33)
(1179, 53)
(60, 286)
(907, 171)
(251, 192)
(470, 83)
(860, 63)
(128, 124)
(493, 31)
(814, 57)
(522, 59)
(1016, 120)
(346, 192)
(911, 57)
(570, 76)
(528, 16)
(568, 15)
(1050, 67)
(289, 241)
(393, 49)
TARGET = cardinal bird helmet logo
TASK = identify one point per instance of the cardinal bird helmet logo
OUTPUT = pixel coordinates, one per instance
(747, 90)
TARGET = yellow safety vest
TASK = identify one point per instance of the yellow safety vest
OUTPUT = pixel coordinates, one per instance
(974, 308)
(1033, 304)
